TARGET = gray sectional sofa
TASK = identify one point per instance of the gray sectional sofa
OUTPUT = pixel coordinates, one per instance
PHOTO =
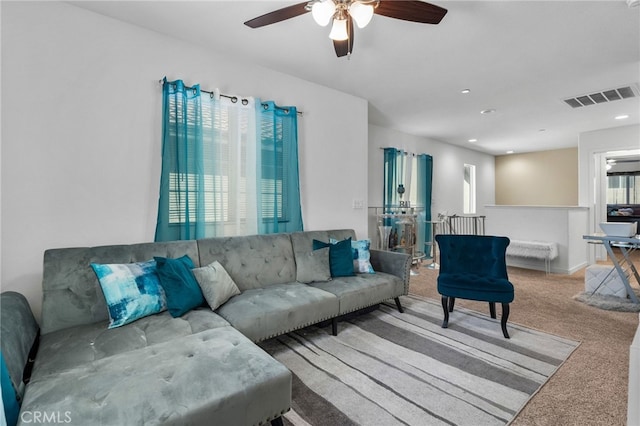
(202, 368)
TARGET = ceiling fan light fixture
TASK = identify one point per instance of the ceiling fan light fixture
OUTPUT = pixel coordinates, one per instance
(339, 30)
(361, 13)
(323, 11)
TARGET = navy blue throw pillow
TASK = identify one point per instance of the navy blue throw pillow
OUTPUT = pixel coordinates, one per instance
(180, 286)
(340, 257)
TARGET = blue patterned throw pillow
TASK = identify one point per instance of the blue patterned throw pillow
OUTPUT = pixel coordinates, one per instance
(361, 255)
(132, 290)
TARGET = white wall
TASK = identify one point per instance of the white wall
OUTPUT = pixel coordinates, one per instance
(599, 141)
(590, 174)
(448, 166)
(562, 225)
(81, 133)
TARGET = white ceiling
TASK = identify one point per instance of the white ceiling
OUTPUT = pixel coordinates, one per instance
(521, 58)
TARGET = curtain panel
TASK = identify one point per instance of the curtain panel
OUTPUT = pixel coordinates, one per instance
(279, 197)
(399, 167)
(424, 184)
(228, 168)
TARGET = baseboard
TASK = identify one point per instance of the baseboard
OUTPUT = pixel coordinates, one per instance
(538, 265)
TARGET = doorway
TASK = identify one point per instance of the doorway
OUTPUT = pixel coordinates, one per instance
(616, 189)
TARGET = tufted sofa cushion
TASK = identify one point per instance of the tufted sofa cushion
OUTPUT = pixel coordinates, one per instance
(262, 313)
(65, 349)
(71, 292)
(252, 261)
(215, 376)
(362, 290)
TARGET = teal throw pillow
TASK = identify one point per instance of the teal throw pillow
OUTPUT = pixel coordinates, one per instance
(131, 290)
(340, 257)
(180, 286)
(361, 256)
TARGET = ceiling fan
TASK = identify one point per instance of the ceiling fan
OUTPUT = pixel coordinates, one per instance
(343, 13)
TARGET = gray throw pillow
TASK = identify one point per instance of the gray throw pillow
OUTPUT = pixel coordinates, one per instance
(216, 284)
(313, 266)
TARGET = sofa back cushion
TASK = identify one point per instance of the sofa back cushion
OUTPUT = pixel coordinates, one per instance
(71, 292)
(253, 261)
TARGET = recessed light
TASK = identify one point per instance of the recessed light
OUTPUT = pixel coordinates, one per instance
(621, 117)
(509, 152)
(473, 140)
(487, 111)
(542, 130)
(465, 91)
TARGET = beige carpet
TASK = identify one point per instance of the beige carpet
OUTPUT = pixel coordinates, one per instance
(591, 387)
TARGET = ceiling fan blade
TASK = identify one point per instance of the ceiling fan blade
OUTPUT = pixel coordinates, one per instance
(345, 47)
(278, 15)
(414, 11)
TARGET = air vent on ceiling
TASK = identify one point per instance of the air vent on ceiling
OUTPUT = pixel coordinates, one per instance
(602, 97)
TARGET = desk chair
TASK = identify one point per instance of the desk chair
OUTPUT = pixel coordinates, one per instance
(473, 267)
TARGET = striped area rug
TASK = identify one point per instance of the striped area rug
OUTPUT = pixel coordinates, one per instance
(388, 368)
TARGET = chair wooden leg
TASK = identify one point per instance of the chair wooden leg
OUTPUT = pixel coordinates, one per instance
(503, 321)
(397, 299)
(492, 309)
(452, 301)
(445, 306)
(334, 326)
(277, 422)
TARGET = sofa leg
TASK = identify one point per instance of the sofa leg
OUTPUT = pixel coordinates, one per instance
(503, 321)
(334, 326)
(452, 302)
(492, 309)
(445, 308)
(277, 422)
(397, 299)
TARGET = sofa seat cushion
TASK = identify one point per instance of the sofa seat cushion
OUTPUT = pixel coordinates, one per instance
(277, 309)
(362, 290)
(475, 287)
(215, 374)
(71, 347)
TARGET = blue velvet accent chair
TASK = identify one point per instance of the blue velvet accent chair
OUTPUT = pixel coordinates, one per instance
(473, 267)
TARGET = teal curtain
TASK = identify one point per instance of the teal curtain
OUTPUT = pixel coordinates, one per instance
(181, 214)
(392, 178)
(423, 192)
(394, 164)
(279, 195)
(228, 167)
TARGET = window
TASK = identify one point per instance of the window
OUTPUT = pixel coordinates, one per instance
(228, 167)
(623, 189)
(223, 167)
(273, 178)
(469, 189)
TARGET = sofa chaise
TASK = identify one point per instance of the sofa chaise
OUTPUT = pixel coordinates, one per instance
(200, 368)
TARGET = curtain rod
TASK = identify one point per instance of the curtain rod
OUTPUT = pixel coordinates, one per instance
(412, 153)
(233, 99)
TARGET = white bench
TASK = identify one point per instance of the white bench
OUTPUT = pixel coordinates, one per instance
(534, 249)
